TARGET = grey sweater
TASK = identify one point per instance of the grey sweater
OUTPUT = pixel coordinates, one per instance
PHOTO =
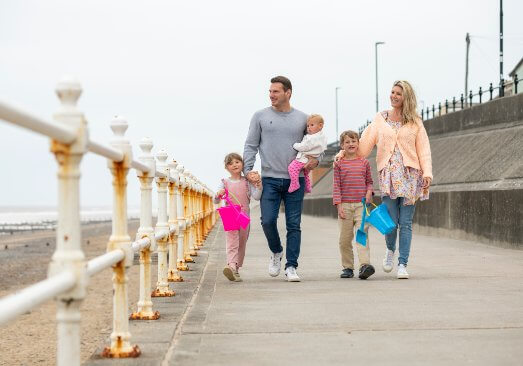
(272, 134)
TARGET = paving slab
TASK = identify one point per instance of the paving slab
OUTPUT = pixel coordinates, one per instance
(462, 305)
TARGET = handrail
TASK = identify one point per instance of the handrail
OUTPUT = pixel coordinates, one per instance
(21, 118)
(140, 166)
(140, 244)
(178, 233)
(161, 235)
(28, 298)
(160, 174)
(104, 261)
(107, 151)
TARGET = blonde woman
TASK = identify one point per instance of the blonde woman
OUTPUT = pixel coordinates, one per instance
(404, 167)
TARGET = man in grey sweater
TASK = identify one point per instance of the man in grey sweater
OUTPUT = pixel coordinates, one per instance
(272, 132)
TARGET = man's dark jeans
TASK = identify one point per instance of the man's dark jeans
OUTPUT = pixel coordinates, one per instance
(274, 191)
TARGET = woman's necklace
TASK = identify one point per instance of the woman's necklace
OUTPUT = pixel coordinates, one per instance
(394, 118)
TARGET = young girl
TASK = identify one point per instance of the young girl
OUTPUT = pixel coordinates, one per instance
(240, 192)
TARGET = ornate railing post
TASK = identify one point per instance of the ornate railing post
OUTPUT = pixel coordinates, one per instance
(146, 230)
(68, 255)
(200, 215)
(210, 211)
(173, 274)
(120, 337)
(192, 216)
(187, 223)
(181, 265)
(162, 286)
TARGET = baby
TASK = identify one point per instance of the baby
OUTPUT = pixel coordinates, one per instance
(313, 144)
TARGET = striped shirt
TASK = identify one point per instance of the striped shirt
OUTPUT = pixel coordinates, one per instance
(352, 179)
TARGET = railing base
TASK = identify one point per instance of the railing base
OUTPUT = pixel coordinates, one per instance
(162, 293)
(145, 316)
(182, 266)
(174, 278)
(188, 259)
(116, 353)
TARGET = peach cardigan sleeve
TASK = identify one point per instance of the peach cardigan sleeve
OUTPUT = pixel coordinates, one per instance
(368, 140)
(423, 151)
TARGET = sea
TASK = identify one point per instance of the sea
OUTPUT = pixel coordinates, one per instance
(28, 218)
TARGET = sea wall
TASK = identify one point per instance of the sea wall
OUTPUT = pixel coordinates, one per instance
(477, 192)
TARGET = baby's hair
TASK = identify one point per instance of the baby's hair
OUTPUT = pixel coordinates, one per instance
(349, 134)
(316, 117)
(230, 157)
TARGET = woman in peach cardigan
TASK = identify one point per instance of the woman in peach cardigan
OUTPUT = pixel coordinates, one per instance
(404, 167)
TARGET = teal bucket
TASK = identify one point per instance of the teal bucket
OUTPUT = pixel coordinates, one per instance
(381, 220)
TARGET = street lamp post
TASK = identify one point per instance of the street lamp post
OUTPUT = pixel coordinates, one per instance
(376, 60)
(501, 86)
(337, 135)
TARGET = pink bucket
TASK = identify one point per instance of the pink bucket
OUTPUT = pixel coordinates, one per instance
(232, 216)
(229, 215)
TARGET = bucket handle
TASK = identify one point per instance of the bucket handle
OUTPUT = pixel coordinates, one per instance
(367, 208)
(225, 196)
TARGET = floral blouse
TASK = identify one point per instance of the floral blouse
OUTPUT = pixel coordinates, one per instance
(397, 180)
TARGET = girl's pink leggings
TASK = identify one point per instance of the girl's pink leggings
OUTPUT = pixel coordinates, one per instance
(236, 241)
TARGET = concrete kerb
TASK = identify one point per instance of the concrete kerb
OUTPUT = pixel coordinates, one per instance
(155, 337)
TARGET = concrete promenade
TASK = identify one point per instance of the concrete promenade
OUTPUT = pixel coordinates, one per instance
(462, 305)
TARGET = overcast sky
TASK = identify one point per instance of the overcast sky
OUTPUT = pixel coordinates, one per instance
(191, 74)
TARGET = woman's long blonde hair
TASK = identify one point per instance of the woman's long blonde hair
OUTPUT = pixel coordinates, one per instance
(409, 113)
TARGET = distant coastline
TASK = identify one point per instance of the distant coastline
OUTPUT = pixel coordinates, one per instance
(29, 218)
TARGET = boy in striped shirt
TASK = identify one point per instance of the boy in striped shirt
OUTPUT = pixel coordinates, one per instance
(352, 182)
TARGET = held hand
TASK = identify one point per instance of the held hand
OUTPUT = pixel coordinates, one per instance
(220, 193)
(426, 183)
(341, 213)
(339, 155)
(253, 177)
(368, 197)
(311, 164)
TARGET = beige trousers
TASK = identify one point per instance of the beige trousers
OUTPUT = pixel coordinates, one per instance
(352, 222)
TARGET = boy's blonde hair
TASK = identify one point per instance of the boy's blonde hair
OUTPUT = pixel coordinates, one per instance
(349, 134)
(230, 157)
(316, 117)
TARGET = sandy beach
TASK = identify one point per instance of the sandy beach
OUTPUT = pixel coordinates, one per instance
(24, 259)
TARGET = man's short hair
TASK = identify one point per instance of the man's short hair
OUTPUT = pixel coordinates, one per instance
(284, 81)
(350, 134)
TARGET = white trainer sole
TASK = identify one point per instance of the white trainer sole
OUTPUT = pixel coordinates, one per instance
(293, 279)
(404, 276)
(386, 268)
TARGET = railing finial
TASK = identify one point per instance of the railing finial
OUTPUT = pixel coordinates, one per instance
(146, 145)
(119, 125)
(161, 155)
(68, 91)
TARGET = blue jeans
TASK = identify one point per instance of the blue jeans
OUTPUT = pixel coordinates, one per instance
(402, 216)
(274, 191)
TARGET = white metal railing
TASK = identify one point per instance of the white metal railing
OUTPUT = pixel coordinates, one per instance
(186, 214)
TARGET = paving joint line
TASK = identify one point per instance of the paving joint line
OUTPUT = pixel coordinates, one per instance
(179, 325)
(351, 331)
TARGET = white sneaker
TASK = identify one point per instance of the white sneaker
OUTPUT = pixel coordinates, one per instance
(292, 276)
(387, 261)
(275, 264)
(402, 272)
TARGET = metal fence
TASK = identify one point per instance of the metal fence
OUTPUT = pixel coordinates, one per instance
(186, 214)
(466, 101)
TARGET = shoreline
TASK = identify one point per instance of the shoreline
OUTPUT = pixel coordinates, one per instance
(30, 339)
